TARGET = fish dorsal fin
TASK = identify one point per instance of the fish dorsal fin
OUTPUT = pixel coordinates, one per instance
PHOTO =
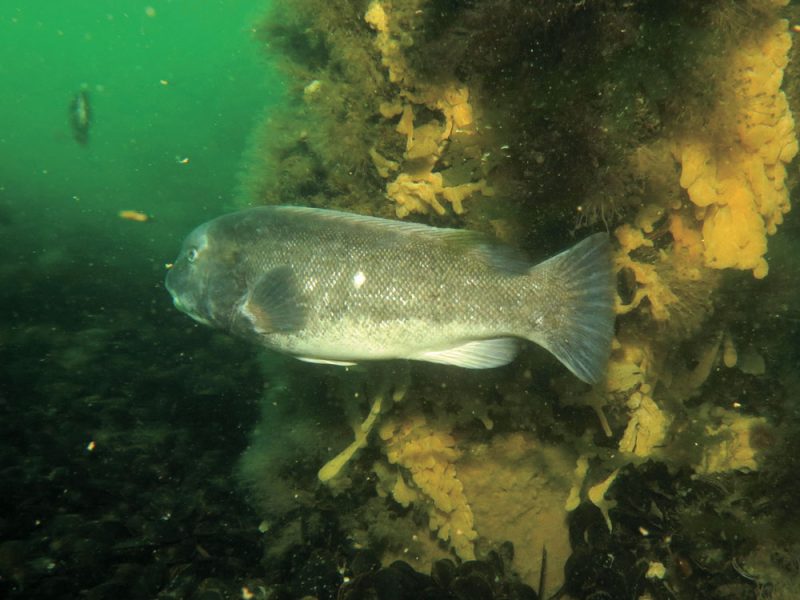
(273, 304)
(503, 259)
(478, 354)
(480, 246)
(465, 236)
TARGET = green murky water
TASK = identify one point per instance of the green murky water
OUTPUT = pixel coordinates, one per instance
(145, 456)
(175, 89)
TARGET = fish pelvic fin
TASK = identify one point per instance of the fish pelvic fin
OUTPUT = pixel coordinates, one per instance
(574, 319)
(325, 361)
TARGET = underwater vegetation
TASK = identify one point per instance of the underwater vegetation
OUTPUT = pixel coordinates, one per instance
(669, 125)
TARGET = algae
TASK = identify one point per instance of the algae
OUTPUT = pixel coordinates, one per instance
(568, 117)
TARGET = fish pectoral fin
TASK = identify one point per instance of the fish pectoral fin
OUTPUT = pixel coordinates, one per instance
(322, 361)
(274, 304)
(478, 354)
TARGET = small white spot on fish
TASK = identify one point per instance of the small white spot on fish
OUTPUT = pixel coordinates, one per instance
(359, 279)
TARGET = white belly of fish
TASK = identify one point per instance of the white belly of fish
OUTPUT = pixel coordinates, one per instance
(349, 341)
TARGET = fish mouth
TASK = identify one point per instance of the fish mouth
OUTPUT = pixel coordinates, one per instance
(187, 296)
(180, 305)
(176, 298)
(176, 301)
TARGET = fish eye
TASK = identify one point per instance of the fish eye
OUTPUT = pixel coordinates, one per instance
(191, 255)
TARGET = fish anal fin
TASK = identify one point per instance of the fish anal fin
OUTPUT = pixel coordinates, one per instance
(476, 354)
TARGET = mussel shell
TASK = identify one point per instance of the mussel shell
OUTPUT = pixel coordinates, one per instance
(443, 571)
(471, 587)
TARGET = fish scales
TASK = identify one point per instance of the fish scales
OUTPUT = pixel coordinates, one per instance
(334, 287)
(376, 276)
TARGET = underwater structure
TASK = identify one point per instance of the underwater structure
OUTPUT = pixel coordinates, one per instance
(669, 125)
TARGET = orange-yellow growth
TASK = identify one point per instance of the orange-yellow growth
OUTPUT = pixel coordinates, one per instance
(377, 17)
(421, 193)
(417, 188)
(428, 456)
(739, 189)
(729, 444)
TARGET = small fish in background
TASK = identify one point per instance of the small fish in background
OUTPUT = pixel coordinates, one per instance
(135, 215)
(337, 288)
(80, 116)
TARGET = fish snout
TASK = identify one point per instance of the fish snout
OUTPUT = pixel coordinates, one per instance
(185, 296)
(172, 283)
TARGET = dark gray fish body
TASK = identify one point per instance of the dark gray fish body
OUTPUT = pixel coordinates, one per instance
(80, 117)
(334, 287)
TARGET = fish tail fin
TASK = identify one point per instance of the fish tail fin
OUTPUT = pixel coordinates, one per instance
(575, 315)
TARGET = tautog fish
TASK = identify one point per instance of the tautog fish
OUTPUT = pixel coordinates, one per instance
(335, 287)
